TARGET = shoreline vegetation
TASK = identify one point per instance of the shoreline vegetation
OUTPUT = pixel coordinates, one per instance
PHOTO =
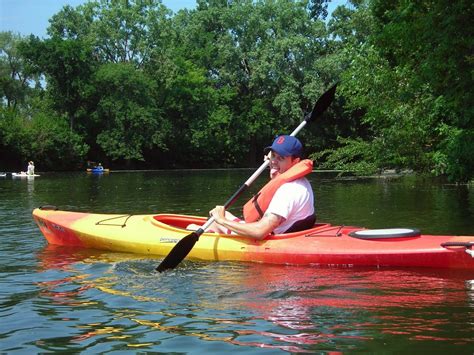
(339, 174)
(135, 86)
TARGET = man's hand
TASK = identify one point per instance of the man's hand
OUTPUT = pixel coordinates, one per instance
(218, 213)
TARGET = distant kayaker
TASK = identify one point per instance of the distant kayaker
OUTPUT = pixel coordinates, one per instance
(31, 168)
(99, 167)
(283, 205)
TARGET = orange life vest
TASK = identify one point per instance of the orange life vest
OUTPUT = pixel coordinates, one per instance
(257, 205)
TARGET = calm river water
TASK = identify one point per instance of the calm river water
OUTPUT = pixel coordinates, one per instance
(56, 299)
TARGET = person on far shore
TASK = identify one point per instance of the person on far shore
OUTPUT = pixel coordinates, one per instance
(31, 168)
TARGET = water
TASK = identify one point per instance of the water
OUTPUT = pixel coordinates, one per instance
(56, 299)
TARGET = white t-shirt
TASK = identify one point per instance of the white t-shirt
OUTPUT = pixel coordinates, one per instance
(293, 201)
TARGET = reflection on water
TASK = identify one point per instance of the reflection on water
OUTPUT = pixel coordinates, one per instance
(56, 299)
(30, 186)
(294, 309)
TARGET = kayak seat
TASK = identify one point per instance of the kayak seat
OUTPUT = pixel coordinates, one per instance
(302, 224)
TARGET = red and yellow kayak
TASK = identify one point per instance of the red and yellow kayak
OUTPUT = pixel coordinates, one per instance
(322, 245)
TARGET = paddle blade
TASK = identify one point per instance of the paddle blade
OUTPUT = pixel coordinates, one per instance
(179, 252)
(323, 103)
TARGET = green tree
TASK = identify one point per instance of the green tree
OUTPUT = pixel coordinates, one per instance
(262, 57)
(433, 40)
(406, 85)
(29, 128)
(129, 119)
(68, 67)
(42, 136)
(15, 81)
(112, 106)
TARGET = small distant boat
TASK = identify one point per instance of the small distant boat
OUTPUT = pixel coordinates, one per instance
(98, 170)
(3, 174)
(24, 175)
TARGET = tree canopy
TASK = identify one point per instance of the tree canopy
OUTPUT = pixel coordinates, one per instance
(131, 84)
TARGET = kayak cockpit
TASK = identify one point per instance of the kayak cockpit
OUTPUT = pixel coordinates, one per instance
(182, 221)
(179, 221)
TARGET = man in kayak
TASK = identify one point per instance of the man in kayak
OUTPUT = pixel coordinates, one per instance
(284, 205)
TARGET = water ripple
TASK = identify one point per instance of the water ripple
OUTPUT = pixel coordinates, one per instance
(57, 299)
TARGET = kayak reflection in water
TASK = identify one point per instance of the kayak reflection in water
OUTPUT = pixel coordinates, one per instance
(285, 204)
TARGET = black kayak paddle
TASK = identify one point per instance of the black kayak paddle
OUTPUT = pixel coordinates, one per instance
(185, 245)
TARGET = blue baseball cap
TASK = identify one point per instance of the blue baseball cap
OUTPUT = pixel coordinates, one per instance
(286, 146)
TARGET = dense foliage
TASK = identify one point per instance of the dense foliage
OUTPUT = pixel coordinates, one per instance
(131, 84)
